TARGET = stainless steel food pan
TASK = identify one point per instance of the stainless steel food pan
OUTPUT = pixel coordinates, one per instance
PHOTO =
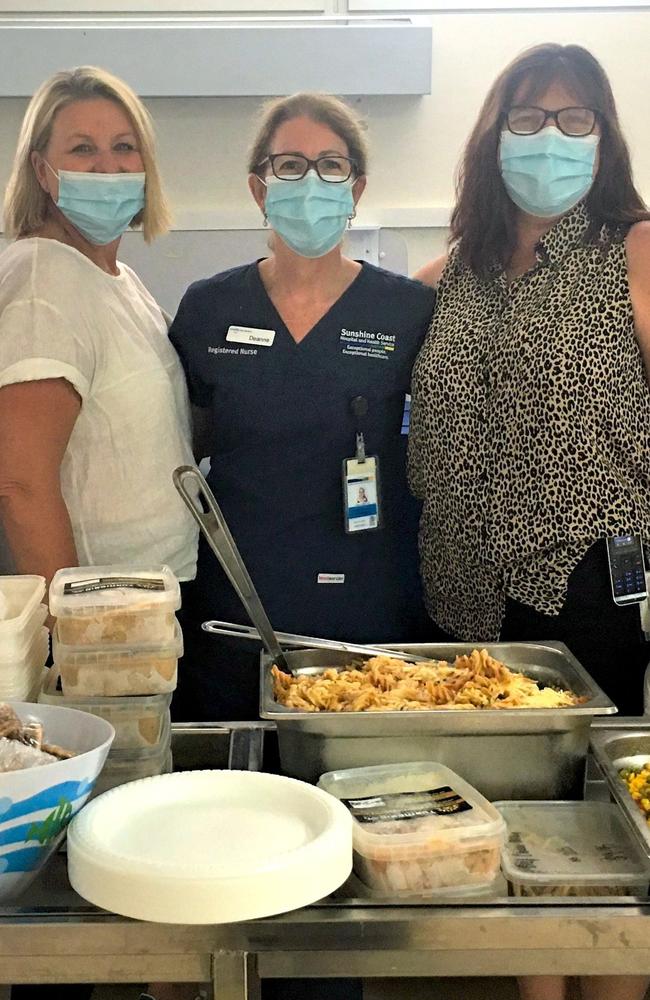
(617, 748)
(505, 753)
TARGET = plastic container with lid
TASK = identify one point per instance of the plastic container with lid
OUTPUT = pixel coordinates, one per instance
(139, 722)
(121, 768)
(570, 849)
(20, 679)
(115, 605)
(107, 671)
(21, 613)
(419, 829)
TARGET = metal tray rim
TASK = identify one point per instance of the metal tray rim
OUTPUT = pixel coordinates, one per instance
(633, 815)
(598, 704)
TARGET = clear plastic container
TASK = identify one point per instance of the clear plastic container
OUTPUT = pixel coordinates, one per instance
(22, 613)
(115, 605)
(419, 829)
(139, 722)
(20, 679)
(570, 849)
(109, 671)
(119, 769)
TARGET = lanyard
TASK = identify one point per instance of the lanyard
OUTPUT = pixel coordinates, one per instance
(359, 407)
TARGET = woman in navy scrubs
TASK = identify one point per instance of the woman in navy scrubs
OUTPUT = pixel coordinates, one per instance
(287, 360)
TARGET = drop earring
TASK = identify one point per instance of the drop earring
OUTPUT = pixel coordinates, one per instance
(351, 217)
(265, 221)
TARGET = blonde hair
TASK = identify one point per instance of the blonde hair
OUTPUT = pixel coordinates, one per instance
(322, 108)
(26, 204)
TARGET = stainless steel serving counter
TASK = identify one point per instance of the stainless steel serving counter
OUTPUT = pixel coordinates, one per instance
(60, 939)
(55, 937)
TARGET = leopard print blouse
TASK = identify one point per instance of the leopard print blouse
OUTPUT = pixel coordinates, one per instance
(530, 428)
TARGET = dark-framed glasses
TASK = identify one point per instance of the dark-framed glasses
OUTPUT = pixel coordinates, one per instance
(293, 167)
(525, 120)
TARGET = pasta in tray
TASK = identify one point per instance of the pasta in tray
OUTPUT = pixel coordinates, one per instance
(384, 683)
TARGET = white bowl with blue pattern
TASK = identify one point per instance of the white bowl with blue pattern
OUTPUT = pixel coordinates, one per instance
(37, 804)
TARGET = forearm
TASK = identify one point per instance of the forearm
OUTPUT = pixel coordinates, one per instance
(38, 530)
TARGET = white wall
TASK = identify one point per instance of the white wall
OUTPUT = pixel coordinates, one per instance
(416, 142)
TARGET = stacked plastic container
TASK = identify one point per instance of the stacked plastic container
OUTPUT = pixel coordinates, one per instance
(116, 647)
(24, 641)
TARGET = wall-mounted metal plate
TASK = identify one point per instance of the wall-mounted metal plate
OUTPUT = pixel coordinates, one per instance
(221, 57)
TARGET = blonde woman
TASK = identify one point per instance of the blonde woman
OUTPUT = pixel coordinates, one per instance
(93, 405)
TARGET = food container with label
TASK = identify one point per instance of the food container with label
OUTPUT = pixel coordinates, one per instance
(115, 605)
(419, 829)
(139, 722)
(107, 671)
(570, 849)
(21, 614)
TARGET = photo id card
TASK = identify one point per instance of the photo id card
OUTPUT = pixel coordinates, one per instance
(361, 500)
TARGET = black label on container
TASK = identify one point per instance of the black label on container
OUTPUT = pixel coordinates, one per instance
(614, 852)
(526, 860)
(113, 583)
(441, 801)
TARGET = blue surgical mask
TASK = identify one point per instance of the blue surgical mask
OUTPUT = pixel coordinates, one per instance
(309, 215)
(100, 206)
(546, 174)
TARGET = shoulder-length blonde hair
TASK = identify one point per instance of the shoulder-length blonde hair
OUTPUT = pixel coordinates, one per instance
(26, 204)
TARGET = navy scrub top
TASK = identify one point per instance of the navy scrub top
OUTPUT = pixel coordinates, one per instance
(282, 424)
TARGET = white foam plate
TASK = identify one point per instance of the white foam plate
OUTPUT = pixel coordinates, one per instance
(205, 847)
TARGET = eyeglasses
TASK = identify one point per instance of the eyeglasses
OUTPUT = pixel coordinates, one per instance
(294, 166)
(524, 120)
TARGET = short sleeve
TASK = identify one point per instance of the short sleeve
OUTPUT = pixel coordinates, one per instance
(427, 306)
(419, 310)
(184, 334)
(37, 342)
(416, 477)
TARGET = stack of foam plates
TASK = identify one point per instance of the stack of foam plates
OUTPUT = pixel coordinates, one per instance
(206, 847)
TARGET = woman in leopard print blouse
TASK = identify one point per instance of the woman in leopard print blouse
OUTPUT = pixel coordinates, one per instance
(530, 424)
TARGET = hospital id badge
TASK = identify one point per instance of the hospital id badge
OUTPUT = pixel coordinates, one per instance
(361, 501)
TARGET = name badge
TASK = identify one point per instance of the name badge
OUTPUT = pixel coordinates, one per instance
(250, 335)
(361, 510)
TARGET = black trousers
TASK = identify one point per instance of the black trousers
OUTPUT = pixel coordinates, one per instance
(605, 638)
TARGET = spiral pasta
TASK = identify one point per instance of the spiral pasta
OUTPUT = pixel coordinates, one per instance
(385, 683)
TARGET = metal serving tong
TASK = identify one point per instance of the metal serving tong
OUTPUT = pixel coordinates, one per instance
(289, 639)
(195, 491)
(217, 534)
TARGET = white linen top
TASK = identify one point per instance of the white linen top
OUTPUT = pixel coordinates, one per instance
(61, 316)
